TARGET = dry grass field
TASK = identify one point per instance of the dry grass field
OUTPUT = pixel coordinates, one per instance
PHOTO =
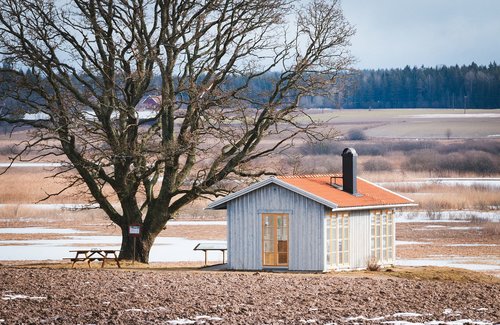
(384, 157)
(415, 123)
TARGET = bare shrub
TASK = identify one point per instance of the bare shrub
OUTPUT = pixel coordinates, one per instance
(322, 148)
(423, 161)
(373, 264)
(475, 219)
(484, 145)
(492, 228)
(356, 135)
(408, 146)
(433, 208)
(377, 165)
(470, 161)
(478, 162)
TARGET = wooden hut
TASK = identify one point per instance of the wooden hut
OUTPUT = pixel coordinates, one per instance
(311, 222)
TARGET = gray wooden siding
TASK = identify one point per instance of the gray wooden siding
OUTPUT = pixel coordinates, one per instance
(359, 239)
(306, 228)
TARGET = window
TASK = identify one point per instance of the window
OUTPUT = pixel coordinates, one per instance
(382, 235)
(337, 239)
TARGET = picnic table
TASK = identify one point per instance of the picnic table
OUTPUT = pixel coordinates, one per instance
(212, 247)
(95, 254)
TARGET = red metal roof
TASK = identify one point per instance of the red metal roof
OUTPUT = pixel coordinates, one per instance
(369, 193)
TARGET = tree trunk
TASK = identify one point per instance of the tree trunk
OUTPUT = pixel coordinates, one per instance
(143, 244)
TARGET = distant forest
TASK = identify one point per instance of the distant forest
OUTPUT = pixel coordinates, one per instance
(471, 86)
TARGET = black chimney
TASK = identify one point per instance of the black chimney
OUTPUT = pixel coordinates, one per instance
(349, 170)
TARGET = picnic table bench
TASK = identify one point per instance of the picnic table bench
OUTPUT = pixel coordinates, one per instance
(205, 247)
(95, 254)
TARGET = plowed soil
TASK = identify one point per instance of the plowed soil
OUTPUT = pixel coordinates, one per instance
(110, 296)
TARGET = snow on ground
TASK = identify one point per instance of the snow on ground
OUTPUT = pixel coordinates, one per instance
(493, 182)
(40, 230)
(447, 312)
(459, 262)
(57, 249)
(12, 296)
(403, 242)
(196, 320)
(457, 115)
(472, 245)
(30, 164)
(446, 216)
(196, 223)
(47, 206)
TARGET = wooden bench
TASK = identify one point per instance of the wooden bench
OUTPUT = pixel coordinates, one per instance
(90, 255)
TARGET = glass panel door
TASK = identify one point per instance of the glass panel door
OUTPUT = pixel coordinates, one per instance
(275, 239)
(268, 238)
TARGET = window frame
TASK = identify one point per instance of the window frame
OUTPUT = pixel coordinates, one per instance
(337, 240)
(382, 235)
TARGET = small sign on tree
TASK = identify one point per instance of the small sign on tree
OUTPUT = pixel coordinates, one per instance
(134, 230)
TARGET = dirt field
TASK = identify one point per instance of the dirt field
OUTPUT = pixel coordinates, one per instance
(53, 293)
(414, 123)
(65, 296)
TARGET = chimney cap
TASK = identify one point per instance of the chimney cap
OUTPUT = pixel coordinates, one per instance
(349, 151)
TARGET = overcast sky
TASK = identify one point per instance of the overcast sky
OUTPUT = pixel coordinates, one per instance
(396, 33)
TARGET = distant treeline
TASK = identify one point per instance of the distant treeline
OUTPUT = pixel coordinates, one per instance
(471, 86)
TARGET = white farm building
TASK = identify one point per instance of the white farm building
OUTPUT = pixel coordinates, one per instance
(311, 222)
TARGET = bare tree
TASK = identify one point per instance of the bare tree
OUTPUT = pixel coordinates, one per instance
(92, 61)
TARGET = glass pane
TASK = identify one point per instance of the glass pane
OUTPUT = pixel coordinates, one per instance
(268, 221)
(282, 246)
(269, 259)
(282, 258)
(268, 233)
(268, 246)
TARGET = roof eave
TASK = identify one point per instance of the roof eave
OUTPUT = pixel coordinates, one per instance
(379, 206)
(222, 203)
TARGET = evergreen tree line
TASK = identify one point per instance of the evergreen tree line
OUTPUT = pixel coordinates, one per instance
(472, 86)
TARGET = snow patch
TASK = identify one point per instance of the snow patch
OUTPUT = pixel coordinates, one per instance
(30, 164)
(209, 318)
(197, 223)
(8, 296)
(197, 319)
(450, 312)
(39, 230)
(363, 318)
(402, 242)
(180, 321)
(471, 245)
(462, 262)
